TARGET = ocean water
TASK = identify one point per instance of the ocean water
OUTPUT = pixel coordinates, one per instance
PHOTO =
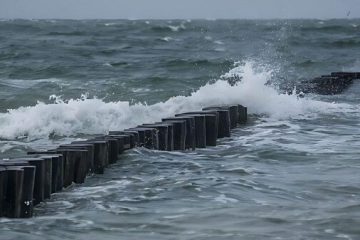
(292, 172)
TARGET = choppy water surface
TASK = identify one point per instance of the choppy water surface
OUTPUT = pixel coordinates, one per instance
(291, 173)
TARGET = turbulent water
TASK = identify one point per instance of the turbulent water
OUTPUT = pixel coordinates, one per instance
(291, 173)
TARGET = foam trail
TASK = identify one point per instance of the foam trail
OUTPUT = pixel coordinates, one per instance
(90, 116)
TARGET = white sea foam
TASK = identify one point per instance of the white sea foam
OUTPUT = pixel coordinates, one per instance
(22, 83)
(166, 39)
(224, 199)
(90, 116)
(177, 28)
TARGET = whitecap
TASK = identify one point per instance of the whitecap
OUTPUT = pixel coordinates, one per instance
(107, 64)
(166, 39)
(224, 199)
(93, 116)
(218, 42)
(177, 28)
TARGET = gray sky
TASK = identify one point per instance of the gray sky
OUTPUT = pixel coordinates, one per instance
(160, 9)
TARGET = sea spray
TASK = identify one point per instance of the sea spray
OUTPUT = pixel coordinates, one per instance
(93, 116)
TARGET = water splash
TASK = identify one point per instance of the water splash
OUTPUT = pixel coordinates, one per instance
(92, 116)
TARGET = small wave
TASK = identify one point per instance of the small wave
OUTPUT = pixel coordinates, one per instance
(219, 42)
(166, 39)
(346, 43)
(115, 64)
(24, 84)
(109, 24)
(326, 28)
(198, 62)
(173, 28)
(73, 33)
(224, 199)
(92, 116)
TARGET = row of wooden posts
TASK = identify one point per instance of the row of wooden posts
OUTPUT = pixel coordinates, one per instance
(29, 180)
(334, 83)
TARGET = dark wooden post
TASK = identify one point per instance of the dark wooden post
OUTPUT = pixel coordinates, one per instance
(200, 129)
(28, 191)
(179, 133)
(57, 168)
(134, 137)
(224, 121)
(242, 114)
(211, 121)
(15, 179)
(163, 134)
(121, 142)
(39, 186)
(3, 185)
(113, 148)
(190, 142)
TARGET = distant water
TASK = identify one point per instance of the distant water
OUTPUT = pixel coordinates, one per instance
(291, 173)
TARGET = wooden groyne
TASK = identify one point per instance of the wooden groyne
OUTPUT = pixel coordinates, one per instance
(332, 84)
(30, 180)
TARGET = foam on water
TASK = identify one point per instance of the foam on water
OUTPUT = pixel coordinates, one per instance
(91, 116)
(24, 84)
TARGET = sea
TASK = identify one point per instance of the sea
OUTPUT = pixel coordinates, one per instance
(291, 172)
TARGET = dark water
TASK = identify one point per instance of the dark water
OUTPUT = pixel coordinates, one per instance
(291, 173)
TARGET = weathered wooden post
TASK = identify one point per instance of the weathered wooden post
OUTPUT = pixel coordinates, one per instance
(3, 185)
(28, 191)
(211, 123)
(15, 179)
(224, 121)
(190, 130)
(57, 181)
(83, 146)
(120, 142)
(134, 137)
(242, 114)
(81, 165)
(101, 152)
(179, 133)
(163, 134)
(148, 137)
(113, 148)
(200, 129)
(39, 185)
(48, 177)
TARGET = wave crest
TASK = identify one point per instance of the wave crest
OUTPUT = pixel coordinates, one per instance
(91, 116)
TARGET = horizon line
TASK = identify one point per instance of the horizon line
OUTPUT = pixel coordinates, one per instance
(186, 19)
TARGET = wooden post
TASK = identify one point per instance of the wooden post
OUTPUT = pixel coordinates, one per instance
(200, 129)
(57, 167)
(15, 179)
(84, 146)
(212, 122)
(242, 114)
(134, 137)
(3, 185)
(148, 137)
(163, 133)
(28, 190)
(179, 128)
(101, 152)
(224, 121)
(121, 142)
(190, 142)
(48, 177)
(39, 186)
(170, 139)
(113, 148)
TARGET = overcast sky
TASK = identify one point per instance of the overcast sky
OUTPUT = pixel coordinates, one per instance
(165, 9)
